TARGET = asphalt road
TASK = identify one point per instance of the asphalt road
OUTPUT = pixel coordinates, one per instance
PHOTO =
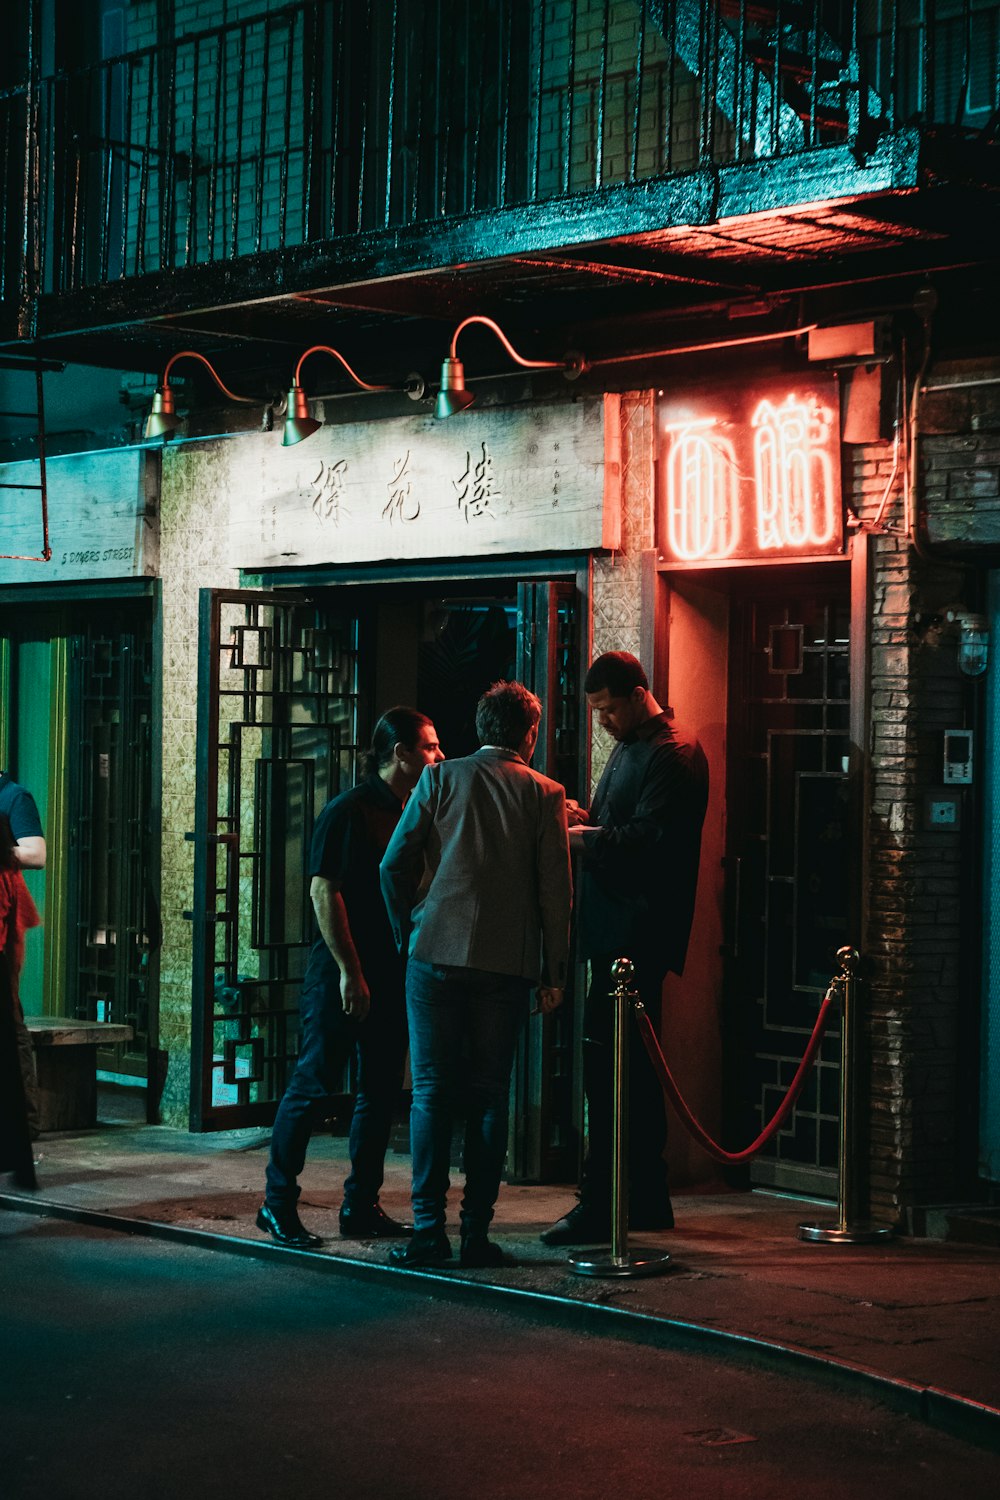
(134, 1368)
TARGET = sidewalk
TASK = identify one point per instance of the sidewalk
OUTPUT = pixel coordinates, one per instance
(920, 1314)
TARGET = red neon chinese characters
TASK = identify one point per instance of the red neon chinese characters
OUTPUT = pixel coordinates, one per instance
(793, 474)
(702, 491)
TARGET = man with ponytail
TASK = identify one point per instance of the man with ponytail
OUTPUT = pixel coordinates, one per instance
(353, 991)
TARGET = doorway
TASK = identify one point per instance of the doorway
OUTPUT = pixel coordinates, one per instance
(759, 667)
(291, 685)
(76, 711)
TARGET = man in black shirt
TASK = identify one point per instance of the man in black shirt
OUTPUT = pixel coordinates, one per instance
(638, 851)
(18, 806)
(353, 991)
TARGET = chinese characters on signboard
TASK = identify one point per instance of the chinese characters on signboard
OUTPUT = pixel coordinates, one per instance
(501, 481)
(750, 475)
(477, 486)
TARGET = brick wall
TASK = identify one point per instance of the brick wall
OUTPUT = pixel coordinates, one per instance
(960, 454)
(920, 932)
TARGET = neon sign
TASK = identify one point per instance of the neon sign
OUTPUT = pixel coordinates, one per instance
(702, 497)
(793, 475)
(751, 476)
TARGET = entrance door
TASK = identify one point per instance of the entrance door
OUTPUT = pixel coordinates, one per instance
(789, 864)
(546, 1098)
(112, 897)
(278, 736)
(282, 712)
(76, 714)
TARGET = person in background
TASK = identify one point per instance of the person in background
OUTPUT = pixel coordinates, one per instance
(18, 807)
(17, 913)
(352, 995)
(638, 852)
(476, 879)
(15, 1136)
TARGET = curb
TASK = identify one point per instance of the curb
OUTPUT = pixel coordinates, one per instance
(958, 1416)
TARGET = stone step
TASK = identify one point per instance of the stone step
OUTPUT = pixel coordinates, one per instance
(975, 1226)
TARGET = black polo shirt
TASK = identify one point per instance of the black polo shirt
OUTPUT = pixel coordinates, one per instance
(18, 806)
(348, 843)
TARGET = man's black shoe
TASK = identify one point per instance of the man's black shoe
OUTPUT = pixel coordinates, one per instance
(478, 1251)
(428, 1247)
(371, 1224)
(284, 1225)
(652, 1220)
(583, 1225)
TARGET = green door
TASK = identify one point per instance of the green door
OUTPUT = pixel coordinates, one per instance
(33, 748)
(75, 729)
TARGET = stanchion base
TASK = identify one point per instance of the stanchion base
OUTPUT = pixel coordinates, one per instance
(851, 1234)
(604, 1263)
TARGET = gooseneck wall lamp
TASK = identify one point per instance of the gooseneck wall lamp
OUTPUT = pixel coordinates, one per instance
(163, 418)
(299, 424)
(454, 396)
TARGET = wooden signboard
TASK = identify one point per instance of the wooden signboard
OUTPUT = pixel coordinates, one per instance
(482, 483)
(98, 525)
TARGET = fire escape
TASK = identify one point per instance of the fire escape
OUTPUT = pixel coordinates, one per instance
(599, 174)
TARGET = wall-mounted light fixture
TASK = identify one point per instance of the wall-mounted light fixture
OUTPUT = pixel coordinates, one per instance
(299, 424)
(163, 418)
(973, 641)
(454, 395)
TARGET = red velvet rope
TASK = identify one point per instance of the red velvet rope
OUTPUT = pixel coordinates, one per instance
(673, 1093)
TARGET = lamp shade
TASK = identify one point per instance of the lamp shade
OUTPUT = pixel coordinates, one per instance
(163, 418)
(298, 423)
(452, 396)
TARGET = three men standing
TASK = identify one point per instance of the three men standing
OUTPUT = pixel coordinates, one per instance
(473, 900)
(352, 994)
(476, 879)
(636, 879)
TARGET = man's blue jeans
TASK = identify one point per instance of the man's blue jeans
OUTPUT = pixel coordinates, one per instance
(463, 1031)
(326, 1040)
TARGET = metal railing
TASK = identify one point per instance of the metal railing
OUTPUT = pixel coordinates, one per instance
(328, 118)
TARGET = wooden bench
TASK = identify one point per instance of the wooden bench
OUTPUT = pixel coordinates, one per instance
(66, 1060)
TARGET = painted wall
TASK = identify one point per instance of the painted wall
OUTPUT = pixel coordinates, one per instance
(193, 555)
(697, 692)
(692, 1041)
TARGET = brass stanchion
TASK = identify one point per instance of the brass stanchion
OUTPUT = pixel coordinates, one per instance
(617, 1261)
(848, 1230)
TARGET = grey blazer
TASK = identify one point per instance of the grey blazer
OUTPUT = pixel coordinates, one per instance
(477, 873)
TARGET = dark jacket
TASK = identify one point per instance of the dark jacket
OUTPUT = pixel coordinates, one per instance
(639, 867)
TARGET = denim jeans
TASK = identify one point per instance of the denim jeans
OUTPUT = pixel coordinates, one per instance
(464, 1025)
(326, 1040)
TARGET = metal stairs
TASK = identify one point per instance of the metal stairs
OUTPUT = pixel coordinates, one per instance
(11, 523)
(815, 70)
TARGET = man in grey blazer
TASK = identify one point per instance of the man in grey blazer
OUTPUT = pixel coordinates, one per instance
(476, 880)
